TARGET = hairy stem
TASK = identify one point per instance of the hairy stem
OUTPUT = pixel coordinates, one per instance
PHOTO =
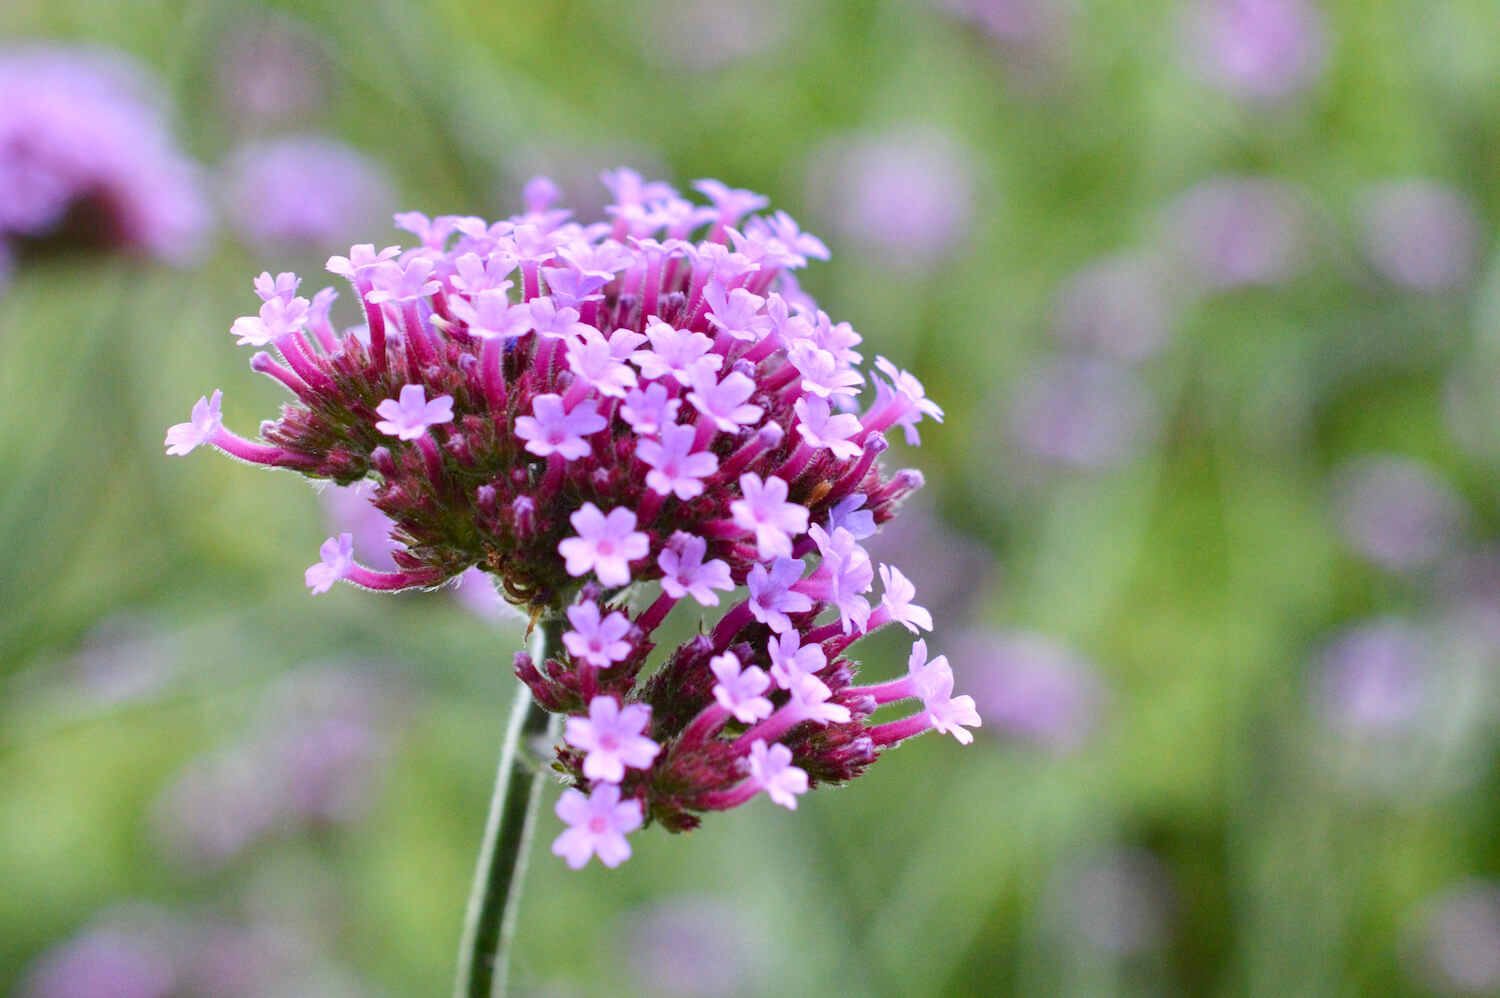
(490, 923)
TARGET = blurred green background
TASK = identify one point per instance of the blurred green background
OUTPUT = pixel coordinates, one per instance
(1207, 291)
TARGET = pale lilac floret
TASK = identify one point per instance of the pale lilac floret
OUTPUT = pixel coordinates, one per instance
(821, 427)
(903, 402)
(532, 245)
(791, 658)
(572, 288)
(491, 316)
(781, 242)
(724, 264)
(205, 423)
(319, 318)
(337, 563)
(843, 576)
(432, 232)
(552, 430)
(550, 319)
(809, 701)
(739, 690)
(933, 682)
(850, 514)
(592, 358)
(649, 410)
(897, 600)
(622, 344)
(675, 468)
(283, 286)
(395, 283)
(765, 512)
(611, 736)
(772, 596)
(473, 274)
(410, 417)
(732, 203)
(605, 545)
(277, 316)
(629, 187)
(724, 402)
(822, 373)
(599, 642)
(771, 770)
(676, 352)
(361, 258)
(597, 825)
(685, 573)
(838, 338)
(737, 313)
(604, 260)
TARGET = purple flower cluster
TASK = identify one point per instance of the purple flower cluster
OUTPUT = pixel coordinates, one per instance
(86, 157)
(580, 410)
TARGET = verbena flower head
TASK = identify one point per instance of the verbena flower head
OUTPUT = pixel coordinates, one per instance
(610, 419)
(86, 156)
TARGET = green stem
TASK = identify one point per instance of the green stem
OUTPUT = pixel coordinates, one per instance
(490, 924)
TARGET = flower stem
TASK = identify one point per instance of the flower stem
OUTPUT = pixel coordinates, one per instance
(490, 923)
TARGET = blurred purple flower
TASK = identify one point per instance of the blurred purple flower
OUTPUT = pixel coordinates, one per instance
(1420, 234)
(1119, 902)
(1373, 678)
(131, 950)
(1118, 306)
(694, 946)
(1086, 412)
(215, 809)
(311, 759)
(705, 35)
(272, 70)
(86, 157)
(1031, 688)
(141, 950)
(1256, 50)
(1396, 512)
(324, 733)
(904, 194)
(1232, 232)
(305, 190)
(1468, 590)
(1458, 941)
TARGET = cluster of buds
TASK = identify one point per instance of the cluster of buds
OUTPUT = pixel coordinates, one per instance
(586, 410)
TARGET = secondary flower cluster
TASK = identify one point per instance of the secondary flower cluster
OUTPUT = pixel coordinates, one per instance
(86, 156)
(582, 410)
